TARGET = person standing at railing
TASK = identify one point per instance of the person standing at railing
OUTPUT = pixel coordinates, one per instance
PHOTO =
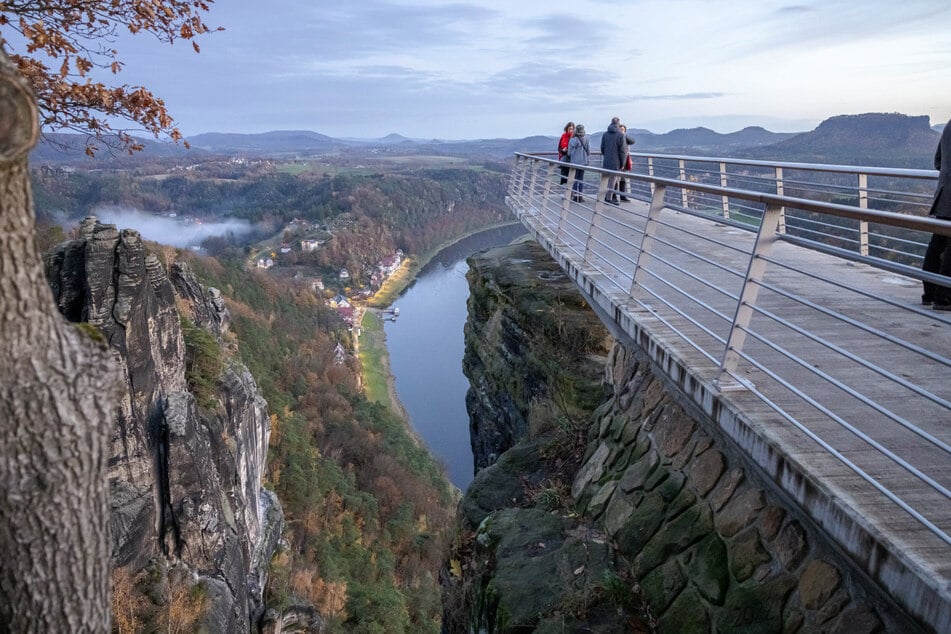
(628, 164)
(613, 152)
(578, 155)
(563, 149)
(938, 255)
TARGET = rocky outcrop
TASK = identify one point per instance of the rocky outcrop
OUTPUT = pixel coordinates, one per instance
(711, 547)
(526, 561)
(185, 476)
(708, 545)
(519, 303)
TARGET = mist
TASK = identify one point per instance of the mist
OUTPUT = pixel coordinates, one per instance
(172, 231)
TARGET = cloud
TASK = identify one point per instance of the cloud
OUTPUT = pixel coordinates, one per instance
(172, 231)
(351, 31)
(835, 22)
(683, 96)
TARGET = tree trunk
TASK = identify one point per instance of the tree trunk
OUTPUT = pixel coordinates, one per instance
(58, 393)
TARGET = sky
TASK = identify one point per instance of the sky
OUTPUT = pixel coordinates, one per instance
(513, 68)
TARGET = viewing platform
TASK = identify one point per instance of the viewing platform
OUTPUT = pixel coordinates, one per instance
(783, 301)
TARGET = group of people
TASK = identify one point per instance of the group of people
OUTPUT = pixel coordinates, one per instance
(573, 149)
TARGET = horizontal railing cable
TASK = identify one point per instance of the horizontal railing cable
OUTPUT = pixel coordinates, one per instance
(937, 531)
(849, 426)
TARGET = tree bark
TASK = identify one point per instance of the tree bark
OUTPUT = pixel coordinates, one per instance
(58, 393)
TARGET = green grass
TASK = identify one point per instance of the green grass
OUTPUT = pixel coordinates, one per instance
(294, 169)
(373, 359)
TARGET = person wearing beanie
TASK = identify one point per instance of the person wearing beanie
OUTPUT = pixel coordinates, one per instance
(578, 155)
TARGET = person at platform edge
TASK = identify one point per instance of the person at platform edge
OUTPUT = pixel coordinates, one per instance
(613, 156)
(938, 255)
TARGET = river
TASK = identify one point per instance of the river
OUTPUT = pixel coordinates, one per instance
(425, 346)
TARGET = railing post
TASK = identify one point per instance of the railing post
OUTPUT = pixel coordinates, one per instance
(548, 180)
(726, 199)
(781, 227)
(521, 163)
(599, 208)
(531, 187)
(683, 177)
(647, 239)
(566, 203)
(650, 171)
(765, 239)
(863, 204)
(602, 192)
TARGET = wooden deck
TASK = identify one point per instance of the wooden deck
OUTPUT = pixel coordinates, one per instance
(880, 357)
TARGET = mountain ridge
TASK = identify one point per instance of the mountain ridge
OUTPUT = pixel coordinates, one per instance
(890, 139)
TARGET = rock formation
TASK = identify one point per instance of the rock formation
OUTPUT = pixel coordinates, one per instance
(656, 501)
(185, 467)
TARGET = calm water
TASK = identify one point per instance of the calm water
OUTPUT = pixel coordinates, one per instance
(426, 347)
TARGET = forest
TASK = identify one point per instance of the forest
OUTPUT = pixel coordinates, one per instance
(369, 514)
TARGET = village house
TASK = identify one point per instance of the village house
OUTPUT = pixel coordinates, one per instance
(344, 274)
(310, 245)
(339, 301)
(346, 313)
(265, 263)
(390, 264)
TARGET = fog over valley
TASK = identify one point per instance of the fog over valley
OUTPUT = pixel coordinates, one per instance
(175, 231)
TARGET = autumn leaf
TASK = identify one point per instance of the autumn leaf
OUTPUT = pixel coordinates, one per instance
(455, 568)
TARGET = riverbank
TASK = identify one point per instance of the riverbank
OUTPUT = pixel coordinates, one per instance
(379, 384)
(394, 285)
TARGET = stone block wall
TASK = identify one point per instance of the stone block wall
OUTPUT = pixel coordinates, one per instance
(712, 549)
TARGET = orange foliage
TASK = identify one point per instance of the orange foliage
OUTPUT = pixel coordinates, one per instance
(127, 602)
(74, 38)
(329, 598)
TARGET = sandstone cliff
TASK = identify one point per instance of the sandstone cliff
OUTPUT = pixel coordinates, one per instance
(191, 434)
(644, 510)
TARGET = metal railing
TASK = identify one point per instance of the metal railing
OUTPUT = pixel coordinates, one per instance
(780, 297)
(905, 191)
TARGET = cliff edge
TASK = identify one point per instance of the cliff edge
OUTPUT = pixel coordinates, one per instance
(190, 520)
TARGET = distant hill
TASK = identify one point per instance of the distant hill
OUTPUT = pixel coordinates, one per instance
(879, 139)
(706, 141)
(57, 147)
(891, 140)
(277, 143)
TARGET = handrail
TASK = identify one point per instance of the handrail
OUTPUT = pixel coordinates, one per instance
(764, 334)
(725, 194)
(814, 167)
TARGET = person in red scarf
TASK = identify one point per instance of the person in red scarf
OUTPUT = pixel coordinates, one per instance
(563, 149)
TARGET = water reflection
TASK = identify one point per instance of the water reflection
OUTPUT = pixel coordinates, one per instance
(426, 347)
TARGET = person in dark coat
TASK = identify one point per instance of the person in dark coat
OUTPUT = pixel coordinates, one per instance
(613, 155)
(938, 255)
